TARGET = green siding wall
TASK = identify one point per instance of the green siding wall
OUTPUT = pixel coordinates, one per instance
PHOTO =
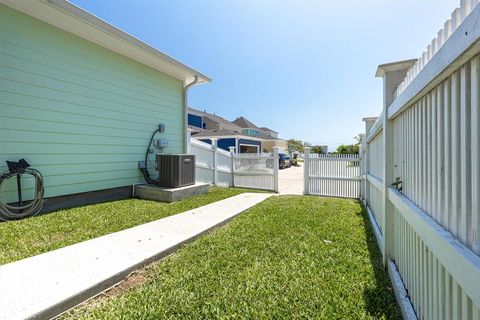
(79, 113)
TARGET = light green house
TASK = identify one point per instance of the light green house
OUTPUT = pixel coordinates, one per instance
(80, 98)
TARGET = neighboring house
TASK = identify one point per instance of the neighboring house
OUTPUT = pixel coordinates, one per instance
(227, 139)
(249, 128)
(81, 99)
(241, 134)
(268, 136)
(206, 126)
(209, 121)
(270, 132)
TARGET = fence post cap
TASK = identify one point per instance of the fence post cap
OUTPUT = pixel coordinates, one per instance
(214, 143)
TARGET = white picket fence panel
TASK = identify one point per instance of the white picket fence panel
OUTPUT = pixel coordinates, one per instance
(222, 168)
(259, 171)
(429, 138)
(333, 175)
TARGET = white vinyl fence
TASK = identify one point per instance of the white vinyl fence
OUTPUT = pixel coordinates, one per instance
(213, 165)
(333, 175)
(422, 167)
(259, 171)
(248, 170)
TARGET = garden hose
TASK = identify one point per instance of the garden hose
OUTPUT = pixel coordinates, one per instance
(14, 212)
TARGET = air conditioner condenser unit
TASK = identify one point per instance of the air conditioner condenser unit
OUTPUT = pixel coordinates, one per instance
(175, 170)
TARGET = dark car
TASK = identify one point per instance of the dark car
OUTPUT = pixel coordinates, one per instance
(284, 161)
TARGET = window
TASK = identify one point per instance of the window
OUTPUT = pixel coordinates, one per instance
(248, 148)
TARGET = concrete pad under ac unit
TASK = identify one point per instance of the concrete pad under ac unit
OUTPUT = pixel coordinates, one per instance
(166, 194)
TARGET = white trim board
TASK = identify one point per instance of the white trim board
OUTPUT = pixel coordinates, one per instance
(461, 262)
(229, 137)
(248, 145)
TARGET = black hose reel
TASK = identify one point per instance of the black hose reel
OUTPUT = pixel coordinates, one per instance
(22, 209)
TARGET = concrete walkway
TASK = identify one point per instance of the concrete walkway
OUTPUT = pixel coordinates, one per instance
(290, 181)
(43, 286)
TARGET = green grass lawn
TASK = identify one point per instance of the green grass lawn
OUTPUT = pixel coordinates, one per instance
(24, 238)
(288, 257)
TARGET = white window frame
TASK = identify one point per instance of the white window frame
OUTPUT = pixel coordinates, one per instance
(248, 145)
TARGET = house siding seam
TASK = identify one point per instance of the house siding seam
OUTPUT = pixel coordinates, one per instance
(79, 113)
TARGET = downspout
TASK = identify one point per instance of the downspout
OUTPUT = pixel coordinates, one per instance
(185, 108)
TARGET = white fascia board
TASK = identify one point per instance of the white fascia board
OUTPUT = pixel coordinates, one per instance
(214, 137)
(460, 47)
(73, 19)
(250, 138)
(229, 137)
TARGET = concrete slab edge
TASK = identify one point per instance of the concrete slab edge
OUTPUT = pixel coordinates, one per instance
(403, 300)
(94, 291)
(401, 295)
(376, 228)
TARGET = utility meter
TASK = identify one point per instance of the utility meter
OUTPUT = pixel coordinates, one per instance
(160, 143)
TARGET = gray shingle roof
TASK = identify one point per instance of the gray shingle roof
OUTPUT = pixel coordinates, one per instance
(228, 128)
(222, 122)
(244, 123)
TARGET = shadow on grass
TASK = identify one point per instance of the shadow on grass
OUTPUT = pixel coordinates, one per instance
(380, 301)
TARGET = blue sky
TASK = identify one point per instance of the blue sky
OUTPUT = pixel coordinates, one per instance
(303, 68)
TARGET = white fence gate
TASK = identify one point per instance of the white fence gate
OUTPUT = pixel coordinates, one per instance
(229, 169)
(259, 171)
(333, 175)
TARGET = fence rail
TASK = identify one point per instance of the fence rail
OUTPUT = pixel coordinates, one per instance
(421, 163)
